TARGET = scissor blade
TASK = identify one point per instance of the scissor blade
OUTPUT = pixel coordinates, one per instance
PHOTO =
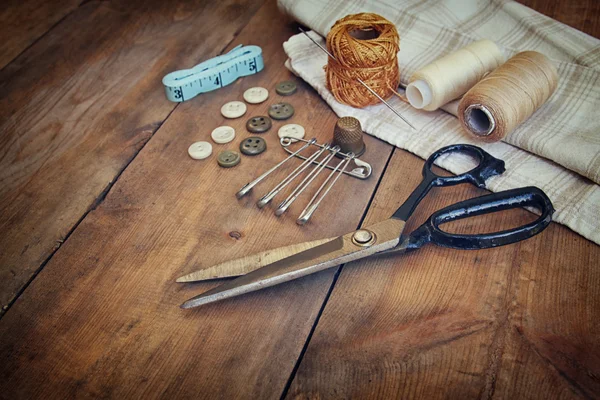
(244, 265)
(335, 252)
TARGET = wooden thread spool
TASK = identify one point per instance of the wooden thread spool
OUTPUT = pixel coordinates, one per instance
(451, 76)
(508, 96)
(365, 46)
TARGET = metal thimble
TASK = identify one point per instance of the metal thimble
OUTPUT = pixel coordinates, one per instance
(348, 135)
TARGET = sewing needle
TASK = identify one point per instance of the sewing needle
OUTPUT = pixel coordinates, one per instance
(359, 80)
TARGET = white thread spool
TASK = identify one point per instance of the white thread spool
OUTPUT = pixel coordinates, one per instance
(453, 75)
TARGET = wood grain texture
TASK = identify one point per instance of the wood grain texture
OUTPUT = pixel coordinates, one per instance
(78, 106)
(514, 322)
(22, 22)
(518, 321)
(580, 14)
(102, 319)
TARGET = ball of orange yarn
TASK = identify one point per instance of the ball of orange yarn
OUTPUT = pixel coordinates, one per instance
(365, 46)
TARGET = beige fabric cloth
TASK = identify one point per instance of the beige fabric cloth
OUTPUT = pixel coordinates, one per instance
(565, 130)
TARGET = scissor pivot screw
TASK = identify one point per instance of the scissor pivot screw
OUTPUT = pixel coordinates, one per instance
(363, 237)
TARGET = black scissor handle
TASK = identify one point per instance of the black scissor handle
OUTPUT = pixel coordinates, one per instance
(531, 196)
(487, 166)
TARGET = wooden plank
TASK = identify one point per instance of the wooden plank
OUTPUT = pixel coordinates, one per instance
(517, 321)
(79, 105)
(513, 322)
(580, 14)
(102, 318)
(22, 22)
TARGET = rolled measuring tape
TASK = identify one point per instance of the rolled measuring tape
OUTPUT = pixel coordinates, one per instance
(214, 73)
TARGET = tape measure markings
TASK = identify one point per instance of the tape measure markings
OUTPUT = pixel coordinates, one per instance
(214, 73)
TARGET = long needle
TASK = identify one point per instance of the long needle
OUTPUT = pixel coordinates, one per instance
(359, 80)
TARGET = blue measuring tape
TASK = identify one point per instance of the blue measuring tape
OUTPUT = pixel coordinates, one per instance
(214, 73)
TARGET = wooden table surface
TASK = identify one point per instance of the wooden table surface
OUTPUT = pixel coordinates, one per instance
(101, 209)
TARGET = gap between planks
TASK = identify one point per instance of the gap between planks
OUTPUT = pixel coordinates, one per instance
(288, 384)
(100, 198)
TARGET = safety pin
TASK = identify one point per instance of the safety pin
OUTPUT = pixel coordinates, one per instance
(310, 208)
(363, 170)
(305, 182)
(281, 185)
(248, 186)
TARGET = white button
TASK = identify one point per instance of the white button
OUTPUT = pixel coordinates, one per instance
(200, 150)
(233, 109)
(292, 130)
(223, 134)
(256, 95)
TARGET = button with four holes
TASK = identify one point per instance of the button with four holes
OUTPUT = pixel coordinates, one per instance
(223, 134)
(286, 88)
(291, 130)
(233, 109)
(228, 158)
(253, 146)
(200, 150)
(281, 111)
(259, 124)
(256, 95)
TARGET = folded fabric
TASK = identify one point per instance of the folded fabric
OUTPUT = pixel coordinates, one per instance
(566, 129)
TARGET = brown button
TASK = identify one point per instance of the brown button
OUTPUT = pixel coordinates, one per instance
(285, 88)
(259, 124)
(253, 146)
(228, 158)
(281, 111)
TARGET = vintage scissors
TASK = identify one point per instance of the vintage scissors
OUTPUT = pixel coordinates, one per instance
(287, 263)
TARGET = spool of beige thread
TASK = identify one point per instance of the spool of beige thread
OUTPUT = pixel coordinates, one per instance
(453, 75)
(508, 96)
